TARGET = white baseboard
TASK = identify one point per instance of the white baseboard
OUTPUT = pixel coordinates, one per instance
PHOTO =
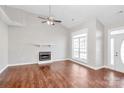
(19, 64)
(22, 64)
(95, 68)
(91, 67)
(56, 60)
(51, 61)
(3, 69)
(108, 67)
(59, 60)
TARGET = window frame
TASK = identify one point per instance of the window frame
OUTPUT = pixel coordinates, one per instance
(79, 37)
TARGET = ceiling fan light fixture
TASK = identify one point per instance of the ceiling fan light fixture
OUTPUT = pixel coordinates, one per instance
(50, 22)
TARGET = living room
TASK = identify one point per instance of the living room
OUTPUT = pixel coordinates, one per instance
(55, 46)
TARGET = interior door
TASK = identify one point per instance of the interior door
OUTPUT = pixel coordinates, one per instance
(119, 52)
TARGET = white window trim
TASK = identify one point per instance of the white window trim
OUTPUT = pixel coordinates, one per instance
(109, 43)
(76, 36)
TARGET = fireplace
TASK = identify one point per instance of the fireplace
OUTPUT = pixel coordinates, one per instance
(44, 56)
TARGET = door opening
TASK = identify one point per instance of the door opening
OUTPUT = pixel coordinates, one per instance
(117, 50)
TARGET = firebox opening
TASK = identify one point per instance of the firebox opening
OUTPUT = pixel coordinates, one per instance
(44, 56)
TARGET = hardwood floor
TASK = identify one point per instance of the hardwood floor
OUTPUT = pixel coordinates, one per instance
(59, 75)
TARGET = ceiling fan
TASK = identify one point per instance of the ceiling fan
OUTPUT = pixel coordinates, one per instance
(49, 20)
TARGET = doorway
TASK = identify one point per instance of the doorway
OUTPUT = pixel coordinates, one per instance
(117, 50)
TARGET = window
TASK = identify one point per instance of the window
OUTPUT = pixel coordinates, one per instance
(80, 47)
(122, 51)
(112, 51)
(117, 32)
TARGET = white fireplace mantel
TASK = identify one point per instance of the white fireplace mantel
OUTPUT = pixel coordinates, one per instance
(43, 45)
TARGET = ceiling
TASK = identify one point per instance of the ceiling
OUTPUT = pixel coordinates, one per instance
(74, 15)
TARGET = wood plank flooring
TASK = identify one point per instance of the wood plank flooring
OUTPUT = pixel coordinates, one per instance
(64, 74)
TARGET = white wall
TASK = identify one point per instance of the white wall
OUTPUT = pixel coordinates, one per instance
(91, 26)
(21, 39)
(3, 45)
(95, 42)
(15, 16)
(99, 44)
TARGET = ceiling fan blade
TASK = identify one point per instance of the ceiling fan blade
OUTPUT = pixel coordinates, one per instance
(44, 21)
(59, 21)
(42, 17)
